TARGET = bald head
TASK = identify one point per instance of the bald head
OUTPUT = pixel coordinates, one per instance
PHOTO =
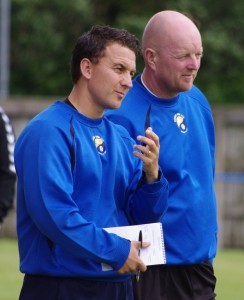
(172, 51)
(167, 26)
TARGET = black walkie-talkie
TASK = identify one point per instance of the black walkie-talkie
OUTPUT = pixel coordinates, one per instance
(147, 122)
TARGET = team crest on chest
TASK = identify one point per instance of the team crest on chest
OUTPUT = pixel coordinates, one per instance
(100, 144)
(181, 122)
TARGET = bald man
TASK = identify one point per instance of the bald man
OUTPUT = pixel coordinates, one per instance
(181, 117)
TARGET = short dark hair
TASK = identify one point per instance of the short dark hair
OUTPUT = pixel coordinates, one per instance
(92, 45)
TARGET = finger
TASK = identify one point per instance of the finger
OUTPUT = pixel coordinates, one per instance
(140, 245)
(147, 141)
(143, 156)
(149, 160)
(145, 245)
(146, 149)
(152, 136)
(142, 267)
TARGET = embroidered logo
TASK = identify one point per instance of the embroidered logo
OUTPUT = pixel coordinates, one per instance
(181, 123)
(100, 144)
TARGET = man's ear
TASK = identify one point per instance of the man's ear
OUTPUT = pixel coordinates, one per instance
(150, 58)
(86, 68)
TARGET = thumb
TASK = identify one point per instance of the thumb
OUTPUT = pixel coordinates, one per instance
(143, 245)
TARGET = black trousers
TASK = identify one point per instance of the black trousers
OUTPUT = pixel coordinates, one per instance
(58, 288)
(167, 282)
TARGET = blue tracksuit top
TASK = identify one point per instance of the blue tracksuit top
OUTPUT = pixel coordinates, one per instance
(185, 128)
(76, 176)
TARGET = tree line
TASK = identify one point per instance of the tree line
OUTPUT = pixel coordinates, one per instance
(43, 34)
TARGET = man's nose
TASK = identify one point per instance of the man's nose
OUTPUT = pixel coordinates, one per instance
(194, 62)
(127, 80)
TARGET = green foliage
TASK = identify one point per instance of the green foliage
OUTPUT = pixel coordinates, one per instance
(222, 69)
(44, 33)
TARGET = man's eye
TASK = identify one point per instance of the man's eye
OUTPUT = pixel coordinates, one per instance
(118, 69)
(183, 56)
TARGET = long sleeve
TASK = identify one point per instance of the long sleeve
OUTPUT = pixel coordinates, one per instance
(7, 170)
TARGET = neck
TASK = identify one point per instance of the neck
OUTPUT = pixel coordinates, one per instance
(82, 102)
(145, 86)
(158, 90)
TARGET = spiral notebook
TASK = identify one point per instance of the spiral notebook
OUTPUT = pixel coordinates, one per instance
(153, 233)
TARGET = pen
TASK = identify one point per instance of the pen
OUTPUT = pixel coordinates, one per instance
(139, 251)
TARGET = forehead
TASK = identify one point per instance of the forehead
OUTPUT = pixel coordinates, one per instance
(187, 42)
(118, 54)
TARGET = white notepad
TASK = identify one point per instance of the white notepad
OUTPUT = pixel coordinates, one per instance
(153, 233)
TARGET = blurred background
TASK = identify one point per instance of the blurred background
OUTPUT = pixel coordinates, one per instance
(36, 40)
(42, 34)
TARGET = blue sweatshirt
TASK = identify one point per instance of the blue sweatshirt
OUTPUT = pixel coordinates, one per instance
(185, 128)
(76, 176)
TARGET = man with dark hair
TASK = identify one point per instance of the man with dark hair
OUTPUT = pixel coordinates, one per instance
(79, 173)
(180, 115)
(7, 169)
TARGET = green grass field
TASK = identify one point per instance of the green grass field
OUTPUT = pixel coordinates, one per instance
(229, 269)
(10, 277)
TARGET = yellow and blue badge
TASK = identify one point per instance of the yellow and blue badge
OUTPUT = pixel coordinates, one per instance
(100, 144)
(181, 122)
